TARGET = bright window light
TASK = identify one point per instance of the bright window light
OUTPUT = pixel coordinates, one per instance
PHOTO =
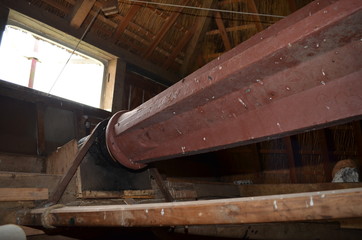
(33, 61)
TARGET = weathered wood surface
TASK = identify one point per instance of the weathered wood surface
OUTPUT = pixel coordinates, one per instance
(275, 231)
(273, 189)
(23, 194)
(324, 205)
(21, 163)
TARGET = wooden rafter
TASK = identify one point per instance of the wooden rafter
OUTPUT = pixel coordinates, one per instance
(252, 7)
(201, 28)
(166, 26)
(232, 29)
(221, 27)
(181, 44)
(80, 12)
(124, 23)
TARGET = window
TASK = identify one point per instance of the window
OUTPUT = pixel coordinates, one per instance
(33, 61)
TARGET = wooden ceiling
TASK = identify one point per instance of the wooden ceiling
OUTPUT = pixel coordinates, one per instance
(176, 40)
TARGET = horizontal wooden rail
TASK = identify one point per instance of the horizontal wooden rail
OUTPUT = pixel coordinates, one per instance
(322, 205)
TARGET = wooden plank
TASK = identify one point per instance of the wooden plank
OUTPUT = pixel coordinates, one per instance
(134, 194)
(273, 189)
(324, 205)
(252, 8)
(28, 180)
(21, 163)
(23, 194)
(202, 25)
(221, 26)
(80, 12)
(278, 231)
(32, 231)
(68, 175)
(164, 29)
(60, 160)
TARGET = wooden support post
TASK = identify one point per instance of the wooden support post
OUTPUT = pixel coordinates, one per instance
(160, 183)
(114, 86)
(324, 205)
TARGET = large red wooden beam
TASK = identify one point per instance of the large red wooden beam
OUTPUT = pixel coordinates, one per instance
(302, 73)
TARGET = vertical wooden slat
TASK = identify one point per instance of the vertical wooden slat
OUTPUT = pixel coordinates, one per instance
(291, 153)
(221, 26)
(41, 145)
(357, 129)
(119, 75)
(326, 153)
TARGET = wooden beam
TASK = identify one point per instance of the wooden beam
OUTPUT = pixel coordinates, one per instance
(23, 194)
(224, 36)
(252, 8)
(124, 23)
(164, 29)
(324, 205)
(28, 180)
(80, 12)
(252, 190)
(202, 25)
(181, 44)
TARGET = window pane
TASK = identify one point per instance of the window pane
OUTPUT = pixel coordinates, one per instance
(80, 80)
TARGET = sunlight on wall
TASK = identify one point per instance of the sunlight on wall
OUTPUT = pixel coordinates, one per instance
(81, 80)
